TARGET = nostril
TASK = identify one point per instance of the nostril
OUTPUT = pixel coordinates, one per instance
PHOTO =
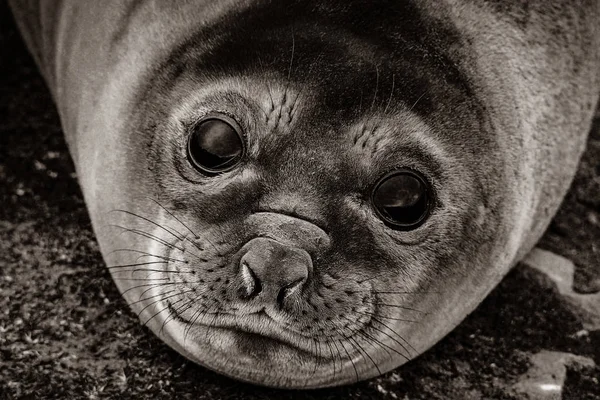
(252, 284)
(288, 290)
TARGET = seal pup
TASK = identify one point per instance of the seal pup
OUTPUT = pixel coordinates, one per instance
(308, 193)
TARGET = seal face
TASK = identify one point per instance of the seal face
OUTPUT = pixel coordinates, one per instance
(309, 202)
(309, 193)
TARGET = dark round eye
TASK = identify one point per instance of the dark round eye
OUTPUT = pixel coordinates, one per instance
(215, 145)
(402, 199)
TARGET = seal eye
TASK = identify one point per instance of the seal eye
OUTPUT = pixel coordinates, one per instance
(215, 145)
(402, 199)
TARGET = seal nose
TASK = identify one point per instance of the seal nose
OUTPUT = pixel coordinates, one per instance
(272, 271)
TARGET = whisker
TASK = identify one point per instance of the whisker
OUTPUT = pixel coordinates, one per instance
(317, 356)
(271, 98)
(383, 345)
(366, 335)
(212, 245)
(196, 245)
(152, 286)
(136, 264)
(389, 292)
(162, 258)
(339, 354)
(312, 344)
(162, 241)
(148, 220)
(160, 271)
(376, 86)
(391, 94)
(373, 339)
(148, 275)
(332, 358)
(173, 215)
(192, 321)
(216, 314)
(118, 278)
(351, 360)
(292, 57)
(196, 236)
(358, 347)
(179, 293)
(390, 318)
(396, 341)
(419, 99)
(361, 349)
(397, 334)
(148, 236)
(401, 292)
(169, 315)
(146, 254)
(175, 311)
(221, 233)
(166, 307)
(260, 63)
(152, 297)
(401, 307)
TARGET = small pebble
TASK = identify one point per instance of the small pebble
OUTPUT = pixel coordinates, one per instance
(582, 333)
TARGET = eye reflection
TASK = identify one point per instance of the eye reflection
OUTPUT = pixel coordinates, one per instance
(402, 199)
(215, 145)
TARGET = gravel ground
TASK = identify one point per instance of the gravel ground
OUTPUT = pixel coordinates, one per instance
(65, 332)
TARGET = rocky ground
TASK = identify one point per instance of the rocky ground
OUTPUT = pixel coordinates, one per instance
(65, 333)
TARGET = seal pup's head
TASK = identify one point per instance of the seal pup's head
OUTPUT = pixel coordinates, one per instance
(327, 197)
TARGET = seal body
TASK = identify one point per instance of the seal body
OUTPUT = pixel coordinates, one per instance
(308, 193)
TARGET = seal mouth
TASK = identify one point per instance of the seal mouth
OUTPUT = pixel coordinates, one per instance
(258, 324)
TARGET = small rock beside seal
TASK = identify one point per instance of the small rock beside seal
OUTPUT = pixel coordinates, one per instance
(310, 193)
